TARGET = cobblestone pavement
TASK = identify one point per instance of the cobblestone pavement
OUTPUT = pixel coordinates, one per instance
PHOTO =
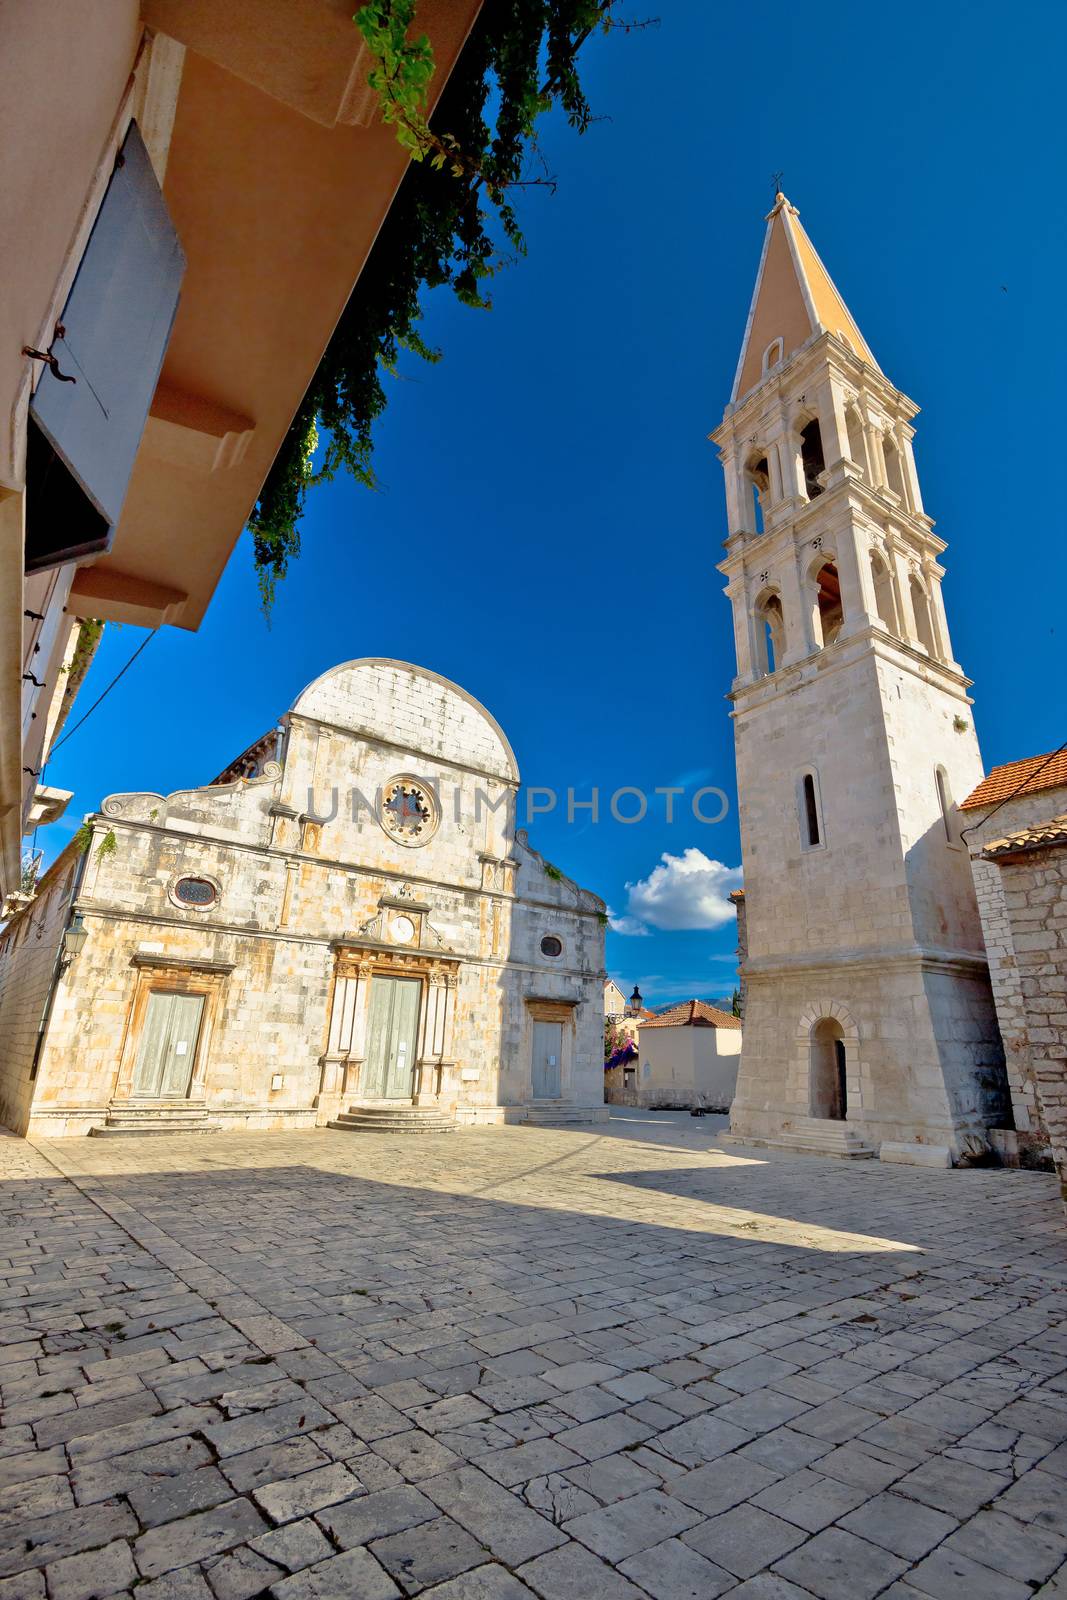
(579, 1364)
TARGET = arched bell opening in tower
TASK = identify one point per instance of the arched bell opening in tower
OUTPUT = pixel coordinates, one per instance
(770, 632)
(827, 614)
(811, 457)
(757, 474)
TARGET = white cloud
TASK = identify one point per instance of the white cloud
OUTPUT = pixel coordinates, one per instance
(686, 891)
(626, 925)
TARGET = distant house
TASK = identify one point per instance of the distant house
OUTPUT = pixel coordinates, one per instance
(614, 999)
(688, 1057)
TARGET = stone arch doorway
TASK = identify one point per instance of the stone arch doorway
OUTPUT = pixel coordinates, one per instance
(828, 1064)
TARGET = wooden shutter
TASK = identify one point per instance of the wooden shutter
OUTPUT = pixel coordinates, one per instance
(116, 325)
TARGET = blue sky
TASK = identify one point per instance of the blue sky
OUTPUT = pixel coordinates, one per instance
(551, 511)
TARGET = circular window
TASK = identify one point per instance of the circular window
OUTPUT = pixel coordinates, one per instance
(403, 930)
(409, 811)
(551, 946)
(195, 892)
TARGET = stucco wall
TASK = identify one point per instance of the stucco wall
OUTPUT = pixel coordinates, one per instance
(682, 1066)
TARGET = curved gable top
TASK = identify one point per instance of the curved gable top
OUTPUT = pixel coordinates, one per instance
(413, 707)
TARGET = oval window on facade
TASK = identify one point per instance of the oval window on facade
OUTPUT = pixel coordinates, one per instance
(195, 892)
(551, 946)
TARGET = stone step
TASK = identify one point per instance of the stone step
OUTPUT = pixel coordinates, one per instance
(394, 1119)
(826, 1136)
(556, 1114)
(149, 1127)
(155, 1110)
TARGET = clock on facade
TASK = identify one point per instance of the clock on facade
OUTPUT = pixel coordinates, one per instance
(409, 811)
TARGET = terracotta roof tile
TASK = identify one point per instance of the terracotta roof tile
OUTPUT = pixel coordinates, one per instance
(1037, 837)
(1048, 772)
(693, 1013)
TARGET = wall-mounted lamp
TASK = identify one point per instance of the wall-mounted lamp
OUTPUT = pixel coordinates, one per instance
(73, 941)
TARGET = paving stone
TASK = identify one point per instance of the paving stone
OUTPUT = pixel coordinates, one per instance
(344, 1577)
(505, 1524)
(769, 1586)
(415, 1454)
(162, 1500)
(948, 1575)
(482, 1583)
(721, 1484)
(271, 1462)
(614, 1477)
(837, 1566)
(951, 1486)
(574, 1573)
(240, 1574)
(1024, 1551)
(755, 1373)
(557, 1498)
(744, 1540)
(176, 1544)
(701, 1439)
(24, 1586)
(67, 1533)
(36, 1497)
(525, 1461)
(294, 1545)
(93, 1573)
(512, 1393)
(289, 1498)
(810, 1499)
(899, 1525)
(268, 1427)
(1037, 1497)
(430, 1553)
(131, 1436)
(674, 1571)
(374, 1516)
(621, 1529)
(31, 1464)
(592, 1440)
(761, 1410)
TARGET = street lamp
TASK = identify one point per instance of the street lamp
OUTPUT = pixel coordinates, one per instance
(74, 940)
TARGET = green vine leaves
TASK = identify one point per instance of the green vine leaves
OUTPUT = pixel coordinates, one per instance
(443, 228)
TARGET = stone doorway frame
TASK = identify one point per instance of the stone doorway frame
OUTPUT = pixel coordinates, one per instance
(171, 975)
(356, 963)
(830, 1011)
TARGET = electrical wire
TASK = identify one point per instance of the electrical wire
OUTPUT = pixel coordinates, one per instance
(1030, 776)
(72, 731)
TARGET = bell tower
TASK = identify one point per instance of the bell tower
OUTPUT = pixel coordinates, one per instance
(869, 1020)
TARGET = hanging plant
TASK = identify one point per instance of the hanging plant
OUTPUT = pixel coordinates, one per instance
(465, 166)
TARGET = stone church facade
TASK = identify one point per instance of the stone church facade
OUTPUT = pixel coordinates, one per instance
(345, 923)
(869, 1023)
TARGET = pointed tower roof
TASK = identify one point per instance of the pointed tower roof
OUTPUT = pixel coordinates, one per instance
(794, 297)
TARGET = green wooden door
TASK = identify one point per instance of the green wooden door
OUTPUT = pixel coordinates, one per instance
(165, 1059)
(391, 1034)
(547, 1059)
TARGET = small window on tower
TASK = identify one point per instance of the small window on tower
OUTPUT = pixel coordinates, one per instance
(772, 355)
(811, 828)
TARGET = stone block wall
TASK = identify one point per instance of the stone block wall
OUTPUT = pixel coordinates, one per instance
(1000, 900)
(1033, 895)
